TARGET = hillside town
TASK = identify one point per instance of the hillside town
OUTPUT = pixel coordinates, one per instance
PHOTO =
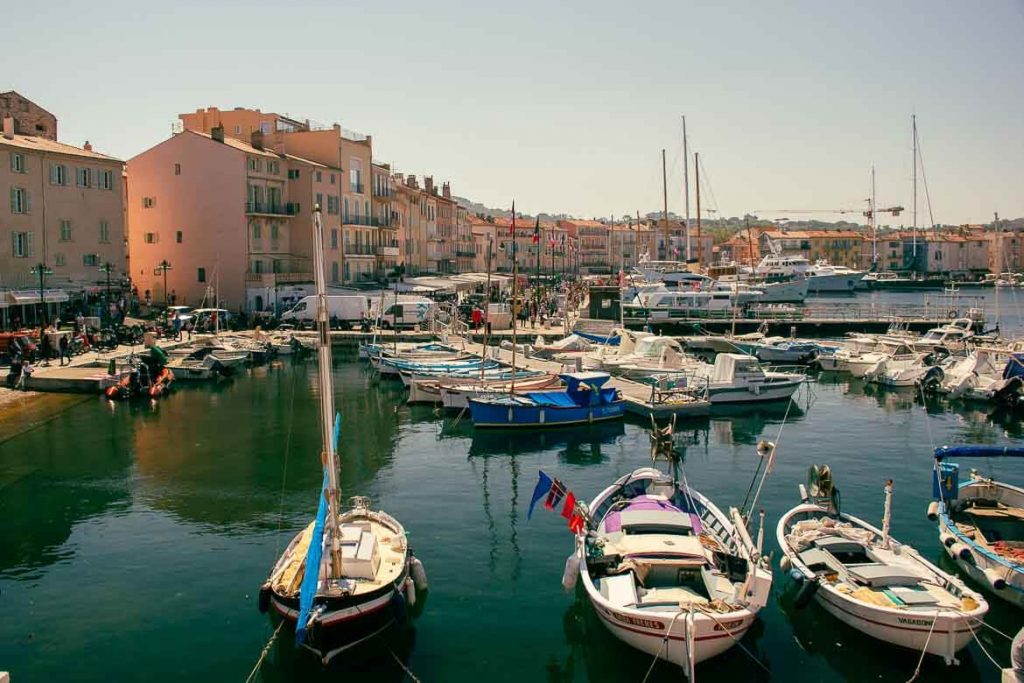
(221, 209)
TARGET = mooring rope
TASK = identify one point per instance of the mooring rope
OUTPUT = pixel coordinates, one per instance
(664, 641)
(978, 641)
(264, 653)
(917, 671)
(398, 661)
(735, 639)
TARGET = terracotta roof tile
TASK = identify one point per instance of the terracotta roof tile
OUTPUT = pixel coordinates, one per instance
(29, 142)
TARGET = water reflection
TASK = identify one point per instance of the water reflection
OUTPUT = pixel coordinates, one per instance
(47, 488)
(202, 456)
(575, 445)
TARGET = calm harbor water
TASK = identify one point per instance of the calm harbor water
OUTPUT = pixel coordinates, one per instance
(134, 537)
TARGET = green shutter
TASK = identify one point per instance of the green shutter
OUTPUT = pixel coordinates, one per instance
(12, 200)
(28, 245)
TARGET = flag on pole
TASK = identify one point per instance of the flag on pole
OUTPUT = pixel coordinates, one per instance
(569, 509)
(536, 231)
(555, 495)
(539, 491)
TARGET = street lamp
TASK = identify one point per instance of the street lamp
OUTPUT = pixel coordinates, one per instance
(107, 268)
(42, 271)
(163, 267)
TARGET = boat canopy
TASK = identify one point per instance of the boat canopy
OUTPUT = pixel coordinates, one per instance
(584, 388)
(551, 398)
(1014, 366)
(978, 452)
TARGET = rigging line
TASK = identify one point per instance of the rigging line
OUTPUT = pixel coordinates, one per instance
(710, 190)
(398, 661)
(1010, 638)
(284, 469)
(927, 419)
(917, 670)
(924, 179)
(264, 653)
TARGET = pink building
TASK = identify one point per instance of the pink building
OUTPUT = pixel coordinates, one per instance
(231, 219)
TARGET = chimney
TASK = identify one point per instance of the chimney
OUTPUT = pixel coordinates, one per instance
(428, 184)
(411, 182)
(9, 127)
(256, 138)
(217, 133)
(446, 190)
(87, 147)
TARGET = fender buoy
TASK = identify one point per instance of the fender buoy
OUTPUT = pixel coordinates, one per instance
(263, 600)
(961, 551)
(571, 572)
(952, 315)
(994, 579)
(933, 510)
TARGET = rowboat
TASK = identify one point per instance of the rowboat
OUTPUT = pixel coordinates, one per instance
(869, 581)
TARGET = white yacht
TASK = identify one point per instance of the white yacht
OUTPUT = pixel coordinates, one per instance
(822, 277)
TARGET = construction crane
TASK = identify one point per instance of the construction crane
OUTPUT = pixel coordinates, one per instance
(870, 213)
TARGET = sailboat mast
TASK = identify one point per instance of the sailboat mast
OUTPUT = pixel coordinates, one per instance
(873, 221)
(515, 300)
(330, 457)
(913, 122)
(696, 185)
(686, 188)
(487, 300)
(664, 198)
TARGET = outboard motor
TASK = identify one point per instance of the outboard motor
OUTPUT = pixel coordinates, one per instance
(932, 379)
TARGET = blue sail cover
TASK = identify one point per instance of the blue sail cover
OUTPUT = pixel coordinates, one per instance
(310, 579)
(978, 452)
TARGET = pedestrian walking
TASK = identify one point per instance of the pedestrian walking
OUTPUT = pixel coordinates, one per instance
(177, 327)
(64, 345)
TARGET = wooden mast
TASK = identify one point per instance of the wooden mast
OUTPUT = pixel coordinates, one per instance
(515, 301)
(326, 381)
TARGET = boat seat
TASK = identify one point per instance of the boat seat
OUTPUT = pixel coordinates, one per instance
(655, 521)
(837, 544)
(876, 574)
(620, 589)
(675, 595)
(912, 596)
(813, 557)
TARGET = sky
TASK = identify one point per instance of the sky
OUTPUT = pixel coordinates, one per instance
(565, 107)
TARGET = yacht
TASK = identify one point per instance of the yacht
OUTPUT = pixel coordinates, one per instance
(823, 277)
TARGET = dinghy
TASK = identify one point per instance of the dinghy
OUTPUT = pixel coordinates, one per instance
(981, 520)
(869, 581)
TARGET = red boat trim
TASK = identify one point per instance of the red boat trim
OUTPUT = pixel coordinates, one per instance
(885, 625)
(737, 634)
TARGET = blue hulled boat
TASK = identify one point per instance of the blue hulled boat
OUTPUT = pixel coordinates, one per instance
(584, 400)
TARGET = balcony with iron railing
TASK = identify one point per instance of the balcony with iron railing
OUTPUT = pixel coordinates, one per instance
(271, 208)
(369, 221)
(383, 192)
(359, 249)
(358, 188)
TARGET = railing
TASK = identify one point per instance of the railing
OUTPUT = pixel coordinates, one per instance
(360, 250)
(371, 221)
(356, 187)
(272, 209)
(387, 250)
(382, 192)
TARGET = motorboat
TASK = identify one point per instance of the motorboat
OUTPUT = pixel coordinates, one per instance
(784, 350)
(981, 520)
(888, 351)
(584, 400)
(868, 580)
(898, 369)
(349, 574)
(979, 376)
(952, 337)
(825, 278)
(667, 571)
(739, 378)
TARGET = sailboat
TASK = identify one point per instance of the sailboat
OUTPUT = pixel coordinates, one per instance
(366, 575)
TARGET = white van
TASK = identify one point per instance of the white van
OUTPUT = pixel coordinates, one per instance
(407, 313)
(345, 311)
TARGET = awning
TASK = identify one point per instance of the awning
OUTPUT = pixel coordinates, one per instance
(26, 297)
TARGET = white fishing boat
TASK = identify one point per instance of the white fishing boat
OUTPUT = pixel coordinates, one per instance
(739, 378)
(455, 394)
(667, 571)
(349, 574)
(981, 520)
(869, 581)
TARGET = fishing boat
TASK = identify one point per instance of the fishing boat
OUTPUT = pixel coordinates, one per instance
(455, 394)
(739, 378)
(364, 575)
(869, 581)
(981, 520)
(584, 400)
(667, 572)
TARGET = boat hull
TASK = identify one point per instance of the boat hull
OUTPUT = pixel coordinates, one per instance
(774, 391)
(834, 284)
(787, 292)
(486, 414)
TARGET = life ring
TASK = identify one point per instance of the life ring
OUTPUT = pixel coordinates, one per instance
(952, 315)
